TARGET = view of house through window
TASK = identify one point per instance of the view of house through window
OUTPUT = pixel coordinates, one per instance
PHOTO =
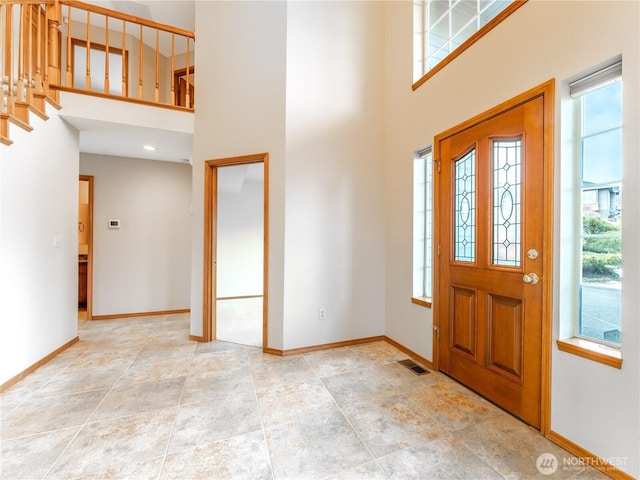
(600, 186)
(422, 222)
(441, 26)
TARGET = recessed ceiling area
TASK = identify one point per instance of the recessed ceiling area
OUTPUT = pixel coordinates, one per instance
(118, 140)
(117, 128)
(122, 129)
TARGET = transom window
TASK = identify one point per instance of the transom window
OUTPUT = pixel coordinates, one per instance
(446, 27)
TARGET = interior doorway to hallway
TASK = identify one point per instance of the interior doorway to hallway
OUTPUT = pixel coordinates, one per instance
(236, 196)
(85, 247)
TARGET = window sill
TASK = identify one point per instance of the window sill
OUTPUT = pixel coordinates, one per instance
(591, 350)
(425, 302)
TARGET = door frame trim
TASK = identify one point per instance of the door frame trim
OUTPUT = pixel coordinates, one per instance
(89, 178)
(210, 219)
(545, 90)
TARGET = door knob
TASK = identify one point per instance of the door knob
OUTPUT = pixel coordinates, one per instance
(531, 278)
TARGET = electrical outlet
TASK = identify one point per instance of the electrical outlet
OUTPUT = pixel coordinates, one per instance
(322, 314)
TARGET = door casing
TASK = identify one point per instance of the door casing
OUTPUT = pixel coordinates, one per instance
(89, 178)
(547, 91)
(210, 248)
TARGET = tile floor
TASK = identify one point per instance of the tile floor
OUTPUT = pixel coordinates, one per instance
(135, 399)
(239, 320)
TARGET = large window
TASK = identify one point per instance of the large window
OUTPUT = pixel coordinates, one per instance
(598, 107)
(422, 227)
(443, 28)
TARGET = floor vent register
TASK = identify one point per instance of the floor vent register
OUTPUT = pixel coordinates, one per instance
(414, 367)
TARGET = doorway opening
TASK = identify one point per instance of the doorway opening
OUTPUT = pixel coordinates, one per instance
(493, 224)
(235, 257)
(185, 89)
(85, 247)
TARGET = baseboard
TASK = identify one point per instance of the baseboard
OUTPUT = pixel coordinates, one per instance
(348, 343)
(326, 346)
(411, 353)
(587, 458)
(196, 338)
(274, 351)
(12, 381)
(139, 314)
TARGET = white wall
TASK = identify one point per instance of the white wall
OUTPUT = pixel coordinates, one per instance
(145, 265)
(240, 83)
(38, 282)
(592, 405)
(334, 245)
(326, 193)
(239, 233)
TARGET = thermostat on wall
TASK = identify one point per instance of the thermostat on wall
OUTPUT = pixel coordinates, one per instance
(114, 223)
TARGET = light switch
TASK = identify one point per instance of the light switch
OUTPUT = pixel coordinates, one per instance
(57, 241)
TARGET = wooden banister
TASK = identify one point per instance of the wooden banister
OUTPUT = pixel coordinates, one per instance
(32, 46)
(155, 79)
(173, 68)
(39, 80)
(54, 18)
(106, 55)
(157, 89)
(141, 67)
(29, 76)
(125, 92)
(69, 73)
(188, 94)
(21, 48)
(87, 80)
(129, 18)
(9, 62)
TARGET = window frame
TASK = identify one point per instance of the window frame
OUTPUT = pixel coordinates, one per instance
(425, 155)
(573, 341)
(101, 48)
(467, 43)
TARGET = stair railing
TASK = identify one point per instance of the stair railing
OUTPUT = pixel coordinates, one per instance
(103, 53)
(126, 56)
(23, 52)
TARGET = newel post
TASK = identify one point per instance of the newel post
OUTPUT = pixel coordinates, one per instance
(54, 19)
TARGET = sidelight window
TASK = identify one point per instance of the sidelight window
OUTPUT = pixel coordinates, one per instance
(600, 186)
(422, 226)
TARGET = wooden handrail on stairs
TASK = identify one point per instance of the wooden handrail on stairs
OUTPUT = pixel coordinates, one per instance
(103, 52)
(24, 40)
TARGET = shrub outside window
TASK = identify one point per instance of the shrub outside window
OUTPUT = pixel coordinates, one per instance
(600, 187)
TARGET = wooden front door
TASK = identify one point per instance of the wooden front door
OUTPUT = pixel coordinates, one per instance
(491, 233)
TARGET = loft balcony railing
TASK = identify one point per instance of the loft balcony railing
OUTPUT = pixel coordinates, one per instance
(48, 46)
